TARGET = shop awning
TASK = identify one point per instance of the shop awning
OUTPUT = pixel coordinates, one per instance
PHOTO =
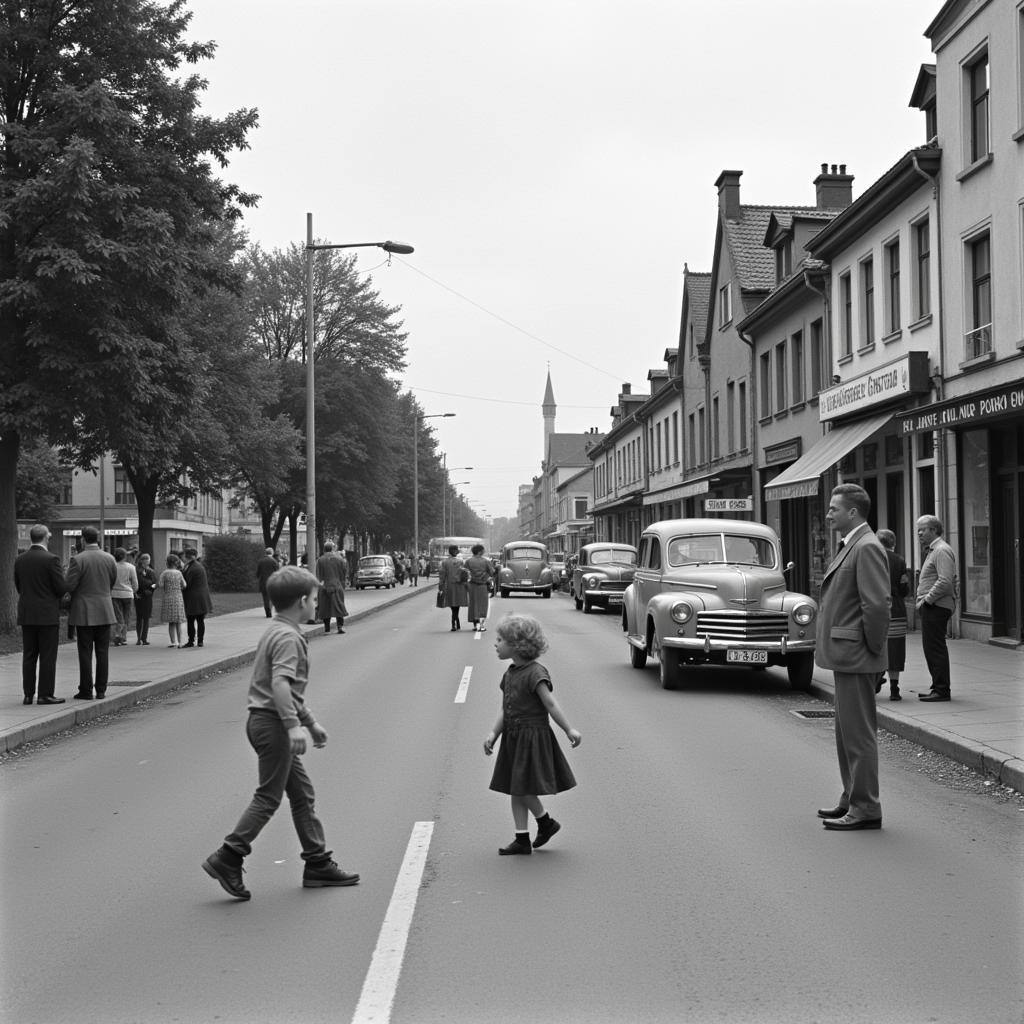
(801, 479)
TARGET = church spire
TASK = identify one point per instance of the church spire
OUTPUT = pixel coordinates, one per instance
(548, 407)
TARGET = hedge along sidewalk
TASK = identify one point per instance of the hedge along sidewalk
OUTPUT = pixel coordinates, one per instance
(137, 673)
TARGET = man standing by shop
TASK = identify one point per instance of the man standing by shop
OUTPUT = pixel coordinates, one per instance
(39, 581)
(91, 576)
(853, 621)
(936, 599)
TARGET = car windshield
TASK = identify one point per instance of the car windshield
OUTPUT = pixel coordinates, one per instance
(730, 548)
(531, 553)
(621, 555)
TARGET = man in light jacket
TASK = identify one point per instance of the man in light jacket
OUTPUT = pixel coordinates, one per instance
(936, 599)
(91, 577)
(853, 623)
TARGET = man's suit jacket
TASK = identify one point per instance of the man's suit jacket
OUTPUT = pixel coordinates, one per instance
(91, 575)
(197, 590)
(265, 568)
(39, 581)
(853, 613)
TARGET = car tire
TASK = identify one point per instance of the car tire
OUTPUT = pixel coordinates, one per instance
(669, 662)
(504, 592)
(637, 656)
(546, 594)
(587, 606)
(800, 669)
(577, 602)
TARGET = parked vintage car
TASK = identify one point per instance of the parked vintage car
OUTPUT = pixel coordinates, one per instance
(556, 562)
(375, 571)
(601, 576)
(713, 591)
(524, 569)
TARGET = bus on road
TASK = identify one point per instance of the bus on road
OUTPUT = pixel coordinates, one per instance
(437, 551)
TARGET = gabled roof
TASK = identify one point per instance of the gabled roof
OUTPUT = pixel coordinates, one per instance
(753, 262)
(569, 449)
(781, 222)
(696, 295)
(924, 88)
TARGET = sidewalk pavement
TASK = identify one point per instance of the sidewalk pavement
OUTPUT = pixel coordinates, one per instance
(137, 673)
(982, 726)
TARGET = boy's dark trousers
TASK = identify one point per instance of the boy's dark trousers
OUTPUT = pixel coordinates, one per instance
(279, 772)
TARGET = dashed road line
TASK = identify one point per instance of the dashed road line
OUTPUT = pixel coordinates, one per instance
(460, 693)
(381, 983)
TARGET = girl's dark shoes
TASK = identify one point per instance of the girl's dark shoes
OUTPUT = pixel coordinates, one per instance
(894, 692)
(546, 828)
(520, 846)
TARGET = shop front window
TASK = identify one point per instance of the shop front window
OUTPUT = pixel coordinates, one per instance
(977, 526)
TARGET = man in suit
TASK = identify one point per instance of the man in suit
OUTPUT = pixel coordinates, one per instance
(91, 576)
(265, 568)
(39, 581)
(936, 599)
(198, 603)
(853, 622)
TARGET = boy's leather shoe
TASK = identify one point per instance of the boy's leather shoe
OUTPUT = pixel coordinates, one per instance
(229, 876)
(326, 874)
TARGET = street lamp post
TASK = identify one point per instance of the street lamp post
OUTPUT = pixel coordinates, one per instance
(453, 486)
(392, 247)
(444, 494)
(416, 417)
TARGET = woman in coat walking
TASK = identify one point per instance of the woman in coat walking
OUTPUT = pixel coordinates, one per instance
(480, 570)
(452, 581)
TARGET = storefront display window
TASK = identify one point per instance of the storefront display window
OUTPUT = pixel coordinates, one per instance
(977, 533)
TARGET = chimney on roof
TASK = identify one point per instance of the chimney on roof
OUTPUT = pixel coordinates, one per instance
(728, 185)
(833, 188)
(627, 389)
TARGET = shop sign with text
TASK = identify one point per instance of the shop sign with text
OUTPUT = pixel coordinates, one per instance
(1007, 400)
(728, 504)
(905, 376)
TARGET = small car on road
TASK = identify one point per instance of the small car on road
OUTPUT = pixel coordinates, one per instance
(713, 591)
(524, 569)
(556, 563)
(601, 575)
(375, 571)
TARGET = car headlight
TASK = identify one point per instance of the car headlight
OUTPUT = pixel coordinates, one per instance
(591, 581)
(804, 613)
(681, 611)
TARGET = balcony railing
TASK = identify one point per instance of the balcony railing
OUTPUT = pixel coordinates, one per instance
(978, 343)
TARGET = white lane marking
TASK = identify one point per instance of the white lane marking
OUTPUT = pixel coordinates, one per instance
(460, 693)
(381, 983)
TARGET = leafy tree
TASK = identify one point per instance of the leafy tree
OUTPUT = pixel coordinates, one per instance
(38, 487)
(107, 198)
(353, 326)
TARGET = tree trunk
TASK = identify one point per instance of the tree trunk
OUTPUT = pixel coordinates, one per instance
(145, 498)
(10, 443)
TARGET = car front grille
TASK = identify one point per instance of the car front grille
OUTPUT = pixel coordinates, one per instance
(742, 625)
(613, 585)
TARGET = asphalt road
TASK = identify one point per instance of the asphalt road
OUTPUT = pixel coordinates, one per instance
(691, 880)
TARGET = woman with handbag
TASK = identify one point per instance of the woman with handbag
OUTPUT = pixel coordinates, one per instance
(480, 570)
(452, 585)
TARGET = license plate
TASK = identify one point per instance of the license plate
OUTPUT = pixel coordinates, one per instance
(747, 657)
(528, 583)
(615, 599)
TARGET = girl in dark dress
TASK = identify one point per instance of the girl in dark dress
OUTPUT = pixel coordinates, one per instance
(530, 763)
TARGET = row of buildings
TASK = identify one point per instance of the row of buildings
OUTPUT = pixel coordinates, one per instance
(876, 340)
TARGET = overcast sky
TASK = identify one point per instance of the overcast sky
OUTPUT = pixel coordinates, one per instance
(553, 163)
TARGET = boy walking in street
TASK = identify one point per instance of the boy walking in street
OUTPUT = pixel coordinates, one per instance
(277, 715)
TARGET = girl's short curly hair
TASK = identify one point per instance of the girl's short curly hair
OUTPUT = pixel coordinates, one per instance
(524, 634)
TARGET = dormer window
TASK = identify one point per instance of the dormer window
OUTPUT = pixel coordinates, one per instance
(783, 261)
